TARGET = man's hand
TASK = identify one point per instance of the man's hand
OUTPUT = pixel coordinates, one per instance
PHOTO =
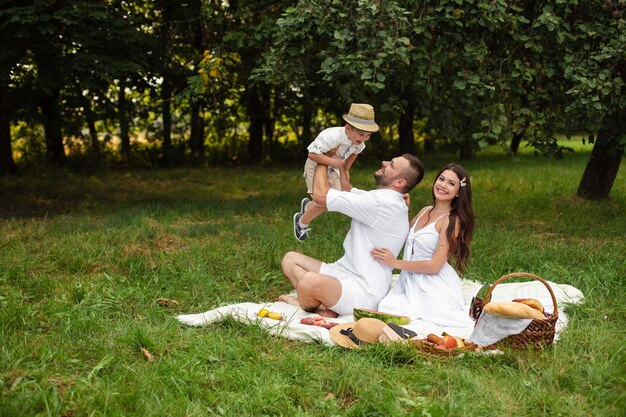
(338, 163)
(344, 180)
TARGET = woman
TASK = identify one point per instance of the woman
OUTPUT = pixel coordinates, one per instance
(429, 288)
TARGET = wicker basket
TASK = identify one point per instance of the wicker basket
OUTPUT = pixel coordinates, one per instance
(424, 346)
(538, 334)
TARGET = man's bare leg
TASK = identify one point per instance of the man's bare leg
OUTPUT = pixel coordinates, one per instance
(324, 312)
(295, 264)
(321, 310)
(289, 299)
(315, 291)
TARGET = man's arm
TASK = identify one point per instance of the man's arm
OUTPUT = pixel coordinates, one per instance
(320, 185)
(344, 180)
(350, 160)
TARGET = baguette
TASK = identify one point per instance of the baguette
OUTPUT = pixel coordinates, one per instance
(513, 310)
(433, 338)
(531, 302)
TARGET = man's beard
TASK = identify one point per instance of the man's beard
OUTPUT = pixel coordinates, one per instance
(381, 180)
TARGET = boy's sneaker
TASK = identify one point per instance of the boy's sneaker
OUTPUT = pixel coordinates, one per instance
(303, 204)
(301, 233)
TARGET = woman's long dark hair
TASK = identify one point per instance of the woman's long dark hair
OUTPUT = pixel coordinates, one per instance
(461, 209)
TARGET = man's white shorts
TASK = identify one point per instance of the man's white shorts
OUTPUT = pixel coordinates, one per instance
(352, 293)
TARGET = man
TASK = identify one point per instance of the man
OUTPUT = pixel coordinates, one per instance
(379, 219)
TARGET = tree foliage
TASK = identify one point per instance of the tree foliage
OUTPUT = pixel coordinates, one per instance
(208, 80)
(478, 71)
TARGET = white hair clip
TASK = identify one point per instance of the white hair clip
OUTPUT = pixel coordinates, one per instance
(463, 183)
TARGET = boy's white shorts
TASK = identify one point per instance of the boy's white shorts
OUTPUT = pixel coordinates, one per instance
(309, 173)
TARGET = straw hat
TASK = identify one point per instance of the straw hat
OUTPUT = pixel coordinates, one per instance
(361, 116)
(361, 332)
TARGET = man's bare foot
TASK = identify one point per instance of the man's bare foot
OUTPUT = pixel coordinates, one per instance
(324, 312)
(289, 300)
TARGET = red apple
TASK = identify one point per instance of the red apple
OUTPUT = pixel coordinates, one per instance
(449, 342)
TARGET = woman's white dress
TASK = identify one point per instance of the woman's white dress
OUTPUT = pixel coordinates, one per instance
(435, 298)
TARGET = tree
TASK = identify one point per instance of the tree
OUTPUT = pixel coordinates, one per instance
(478, 70)
(8, 56)
(595, 67)
(68, 48)
(331, 55)
(7, 164)
(258, 17)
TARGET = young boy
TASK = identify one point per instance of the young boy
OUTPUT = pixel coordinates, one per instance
(338, 148)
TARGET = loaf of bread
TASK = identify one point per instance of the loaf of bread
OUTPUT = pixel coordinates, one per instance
(513, 310)
(530, 302)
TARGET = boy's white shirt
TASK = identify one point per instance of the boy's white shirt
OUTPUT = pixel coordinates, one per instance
(335, 137)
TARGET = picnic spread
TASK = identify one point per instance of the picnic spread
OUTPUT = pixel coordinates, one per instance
(289, 321)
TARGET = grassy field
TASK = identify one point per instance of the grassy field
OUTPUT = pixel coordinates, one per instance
(83, 260)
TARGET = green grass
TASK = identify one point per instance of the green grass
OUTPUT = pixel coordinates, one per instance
(84, 258)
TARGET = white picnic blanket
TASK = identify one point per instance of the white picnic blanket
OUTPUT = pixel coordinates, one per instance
(290, 327)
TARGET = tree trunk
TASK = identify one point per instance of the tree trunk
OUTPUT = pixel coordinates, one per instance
(466, 149)
(49, 83)
(255, 130)
(603, 164)
(167, 33)
(268, 121)
(166, 109)
(196, 137)
(306, 136)
(517, 137)
(429, 140)
(90, 117)
(122, 112)
(405, 128)
(515, 141)
(7, 164)
(51, 112)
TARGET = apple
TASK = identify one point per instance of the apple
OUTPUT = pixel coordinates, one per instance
(449, 342)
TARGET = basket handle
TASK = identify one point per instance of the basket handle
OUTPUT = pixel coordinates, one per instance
(522, 274)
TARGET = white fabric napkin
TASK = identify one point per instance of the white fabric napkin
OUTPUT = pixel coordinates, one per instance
(491, 328)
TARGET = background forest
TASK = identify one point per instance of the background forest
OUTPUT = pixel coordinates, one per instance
(88, 83)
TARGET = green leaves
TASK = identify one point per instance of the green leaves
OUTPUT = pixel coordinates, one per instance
(475, 69)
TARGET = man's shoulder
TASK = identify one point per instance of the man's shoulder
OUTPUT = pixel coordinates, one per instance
(387, 193)
(390, 200)
(377, 196)
(379, 192)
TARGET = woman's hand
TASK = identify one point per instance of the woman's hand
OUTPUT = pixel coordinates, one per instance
(384, 256)
(407, 200)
